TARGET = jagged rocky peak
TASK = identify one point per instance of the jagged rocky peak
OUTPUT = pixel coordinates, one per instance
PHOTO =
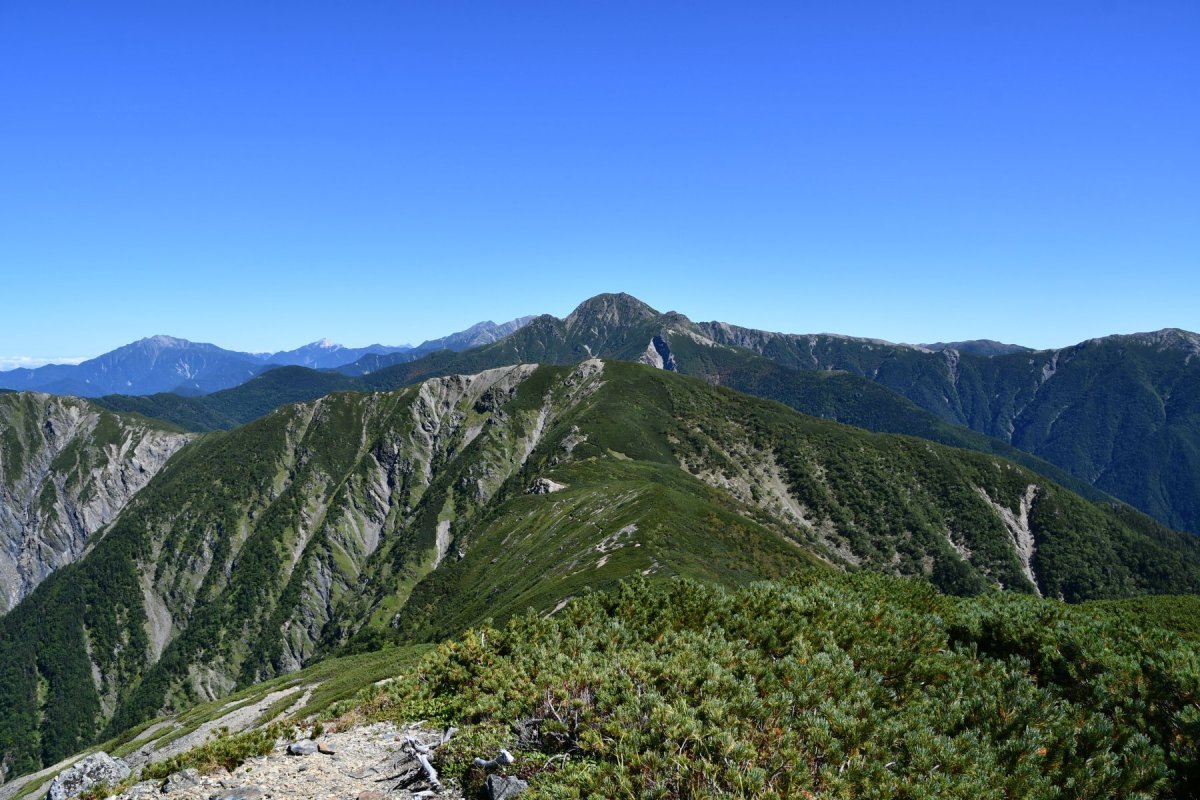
(610, 310)
(477, 335)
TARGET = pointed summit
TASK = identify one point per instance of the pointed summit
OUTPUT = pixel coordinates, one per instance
(609, 310)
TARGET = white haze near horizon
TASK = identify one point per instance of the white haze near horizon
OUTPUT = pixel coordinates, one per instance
(31, 362)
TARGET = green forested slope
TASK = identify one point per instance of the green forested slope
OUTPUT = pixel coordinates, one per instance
(1121, 412)
(408, 515)
(232, 407)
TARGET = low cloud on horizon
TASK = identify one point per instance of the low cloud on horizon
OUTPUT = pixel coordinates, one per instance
(31, 362)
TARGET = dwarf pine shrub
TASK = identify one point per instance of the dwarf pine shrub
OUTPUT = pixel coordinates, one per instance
(851, 687)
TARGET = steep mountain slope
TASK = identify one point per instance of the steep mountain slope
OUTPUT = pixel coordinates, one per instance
(1122, 412)
(612, 326)
(411, 514)
(67, 469)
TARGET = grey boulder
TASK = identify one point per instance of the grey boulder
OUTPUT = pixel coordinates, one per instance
(185, 779)
(95, 769)
(240, 793)
(304, 747)
(499, 788)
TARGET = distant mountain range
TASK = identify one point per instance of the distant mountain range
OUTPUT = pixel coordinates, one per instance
(1117, 416)
(167, 364)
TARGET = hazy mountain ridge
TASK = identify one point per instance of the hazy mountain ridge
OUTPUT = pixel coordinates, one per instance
(979, 347)
(478, 335)
(408, 515)
(166, 364)
(154, 364)
(325, 354)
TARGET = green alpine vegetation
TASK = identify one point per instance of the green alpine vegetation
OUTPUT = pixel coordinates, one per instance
(830, 687)
(335, 525)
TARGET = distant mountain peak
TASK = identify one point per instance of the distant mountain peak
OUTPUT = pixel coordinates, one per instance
(326, 344)
(610, 309)
(162, 340)
(979, 347)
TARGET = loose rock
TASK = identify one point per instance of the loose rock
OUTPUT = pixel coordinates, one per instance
(240, 793)
(325, 749)
(545, 486)
(499, 788)
(368, 759)
(181, 780)
(95, 769)
(143, 790)
(304, 747)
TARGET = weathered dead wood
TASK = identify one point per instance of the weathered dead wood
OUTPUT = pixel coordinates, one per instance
(502, 760)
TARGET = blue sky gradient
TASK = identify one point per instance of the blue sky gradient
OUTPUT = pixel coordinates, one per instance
(260, 175)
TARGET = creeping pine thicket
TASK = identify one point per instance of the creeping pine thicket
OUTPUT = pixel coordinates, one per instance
(854, 687)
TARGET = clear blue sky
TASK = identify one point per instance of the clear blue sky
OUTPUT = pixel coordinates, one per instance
(262, 174)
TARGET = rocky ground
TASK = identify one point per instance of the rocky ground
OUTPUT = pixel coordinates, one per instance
(359, 765)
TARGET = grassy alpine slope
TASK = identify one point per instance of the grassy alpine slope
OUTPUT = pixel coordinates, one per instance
(850, 687)
(407, 516)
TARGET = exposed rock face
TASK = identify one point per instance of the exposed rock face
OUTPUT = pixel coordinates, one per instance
(67, 469)
(1020, 530)
(179, 781)
(545, 486)
(91, 771)
(658, 355)
(477, 335)
(609, 310)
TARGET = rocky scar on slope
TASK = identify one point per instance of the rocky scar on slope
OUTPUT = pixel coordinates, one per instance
(67, 469)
